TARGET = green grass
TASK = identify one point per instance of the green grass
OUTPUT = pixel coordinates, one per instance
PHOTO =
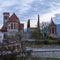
(18, 59)
(38, 58)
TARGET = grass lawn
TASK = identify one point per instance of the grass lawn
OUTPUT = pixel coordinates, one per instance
(45, 58)
(38, 58)
(18, 58)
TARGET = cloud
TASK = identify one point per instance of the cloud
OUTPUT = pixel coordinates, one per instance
(57, 18)
(29, 9)
(14, 6)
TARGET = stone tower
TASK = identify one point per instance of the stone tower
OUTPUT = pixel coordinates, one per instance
(5, 18)
(52, 31)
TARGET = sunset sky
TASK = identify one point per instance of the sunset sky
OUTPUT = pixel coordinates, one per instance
(29, 9)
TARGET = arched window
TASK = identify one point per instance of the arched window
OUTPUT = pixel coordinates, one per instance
(53, 30)
(14, 26)
(11, 25)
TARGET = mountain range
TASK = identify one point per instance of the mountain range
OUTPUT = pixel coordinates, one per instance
(58, 30)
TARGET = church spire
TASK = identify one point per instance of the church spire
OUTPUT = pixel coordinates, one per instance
(52, 21)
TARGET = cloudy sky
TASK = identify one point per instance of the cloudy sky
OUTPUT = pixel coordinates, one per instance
(29, 9)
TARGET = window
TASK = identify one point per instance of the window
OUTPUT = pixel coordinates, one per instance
(52, 30)
(11, 25)
(8, 27)
(14, 26)
(5, 17)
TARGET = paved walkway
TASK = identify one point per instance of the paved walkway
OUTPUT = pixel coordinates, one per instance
(45, 51)
(46, 46)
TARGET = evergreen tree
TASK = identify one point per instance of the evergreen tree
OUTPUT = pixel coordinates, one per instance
(37, 34)
(28, 23)
(38, 25)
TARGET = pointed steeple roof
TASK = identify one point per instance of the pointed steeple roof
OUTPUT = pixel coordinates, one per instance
(52, 21)
(13, 18)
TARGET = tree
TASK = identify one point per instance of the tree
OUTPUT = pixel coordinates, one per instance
(38, 25)
(35, 34)
(28, 23)
(44, 29)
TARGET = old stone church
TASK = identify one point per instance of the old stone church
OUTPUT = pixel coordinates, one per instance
(11, 24)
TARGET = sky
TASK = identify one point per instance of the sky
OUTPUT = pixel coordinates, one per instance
(29, 9)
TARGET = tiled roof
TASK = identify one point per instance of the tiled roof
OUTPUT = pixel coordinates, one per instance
(4, 29)
(13, 18)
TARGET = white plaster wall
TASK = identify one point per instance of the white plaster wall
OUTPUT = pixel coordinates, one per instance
(12, 30)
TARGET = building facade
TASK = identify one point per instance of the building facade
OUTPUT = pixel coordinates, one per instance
(52, 29)
(11, 23)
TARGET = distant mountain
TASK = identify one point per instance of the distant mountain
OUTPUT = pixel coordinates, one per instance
(58, 30)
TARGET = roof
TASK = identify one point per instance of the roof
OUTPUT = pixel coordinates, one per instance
(13, 18)
(4, 29)
(52, 23)
(6, 13)
(21, 26)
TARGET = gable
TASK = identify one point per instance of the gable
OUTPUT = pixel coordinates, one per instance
(13, 18)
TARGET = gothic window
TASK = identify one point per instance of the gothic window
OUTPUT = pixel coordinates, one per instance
(14, 26)
(11, 25)
(52, 30)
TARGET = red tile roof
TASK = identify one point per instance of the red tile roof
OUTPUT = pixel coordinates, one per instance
(4, 29)
(13, 18)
